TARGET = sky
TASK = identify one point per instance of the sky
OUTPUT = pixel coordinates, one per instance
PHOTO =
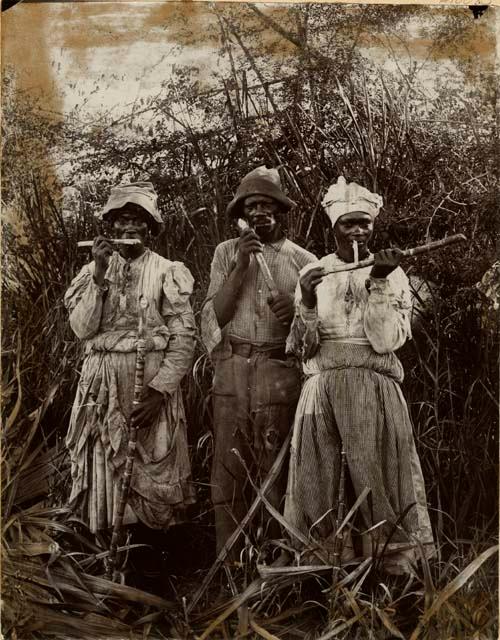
(106, 55)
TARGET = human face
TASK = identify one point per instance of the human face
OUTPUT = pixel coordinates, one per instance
(261, 212)
(131, 222)
(357, 226)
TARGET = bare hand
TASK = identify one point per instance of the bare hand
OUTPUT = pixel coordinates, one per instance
(101, 252)
(282, 306)
(308, 283)
(146, 412)
(385, 262)
(248, 243)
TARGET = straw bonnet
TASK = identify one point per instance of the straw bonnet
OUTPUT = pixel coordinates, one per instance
(140, 193)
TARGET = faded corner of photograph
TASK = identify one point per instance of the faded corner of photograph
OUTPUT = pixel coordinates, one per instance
(250, 294)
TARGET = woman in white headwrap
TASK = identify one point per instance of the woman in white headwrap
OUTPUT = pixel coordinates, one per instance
(103, 303)
(347, 327)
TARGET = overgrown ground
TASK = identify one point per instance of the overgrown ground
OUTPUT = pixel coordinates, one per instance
(434, 159)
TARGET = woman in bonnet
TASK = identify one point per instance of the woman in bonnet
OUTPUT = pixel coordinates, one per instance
(103, 305)
(347, 328)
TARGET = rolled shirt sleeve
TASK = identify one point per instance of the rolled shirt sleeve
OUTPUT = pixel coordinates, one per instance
(303, 339)
(211, 332)
(179, 319)
(387, 314)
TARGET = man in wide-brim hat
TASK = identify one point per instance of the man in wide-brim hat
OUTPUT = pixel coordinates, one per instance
(256, 385)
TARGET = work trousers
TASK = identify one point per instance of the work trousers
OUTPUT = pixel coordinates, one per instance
(254, 401)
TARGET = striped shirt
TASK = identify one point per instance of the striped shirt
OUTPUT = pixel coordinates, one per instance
(253, 320)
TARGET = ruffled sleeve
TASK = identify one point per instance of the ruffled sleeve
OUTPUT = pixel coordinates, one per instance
(84, 300)
(303, 339)
(177, 289)
(179, 319)
(388, 312)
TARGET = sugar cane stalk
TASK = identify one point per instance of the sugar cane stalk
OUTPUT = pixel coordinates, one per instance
(406, 253)
(338, 542)
(339, 535)
(261, 261)
(115, 241)
(132, 442)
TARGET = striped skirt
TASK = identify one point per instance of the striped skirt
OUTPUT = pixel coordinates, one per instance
(354, 402)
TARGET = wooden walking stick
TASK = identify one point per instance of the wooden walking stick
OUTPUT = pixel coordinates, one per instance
(132, 441)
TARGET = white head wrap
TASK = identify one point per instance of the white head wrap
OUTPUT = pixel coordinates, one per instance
(343, 197)
(140, 193)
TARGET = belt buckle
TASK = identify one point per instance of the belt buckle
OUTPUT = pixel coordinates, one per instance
(278, 354)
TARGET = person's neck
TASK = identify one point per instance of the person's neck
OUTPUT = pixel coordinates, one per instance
(132, 252)
(346, 253)
(275, 236)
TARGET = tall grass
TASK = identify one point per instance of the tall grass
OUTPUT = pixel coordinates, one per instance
(370, 132)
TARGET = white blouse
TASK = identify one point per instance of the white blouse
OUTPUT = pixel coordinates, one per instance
(106, 318)
(352, 307)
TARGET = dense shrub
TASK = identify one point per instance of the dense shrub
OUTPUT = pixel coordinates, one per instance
(433, 160)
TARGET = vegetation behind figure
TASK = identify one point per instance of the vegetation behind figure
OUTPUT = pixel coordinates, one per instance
(292, 96)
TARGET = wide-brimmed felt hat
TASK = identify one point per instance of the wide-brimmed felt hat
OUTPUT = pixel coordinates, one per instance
(142, 194)
(260, 181)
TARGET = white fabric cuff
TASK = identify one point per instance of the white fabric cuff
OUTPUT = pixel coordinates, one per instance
(307, 314)
(379, 286)
(102, 288)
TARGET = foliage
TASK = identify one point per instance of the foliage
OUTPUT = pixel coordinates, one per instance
(315, 108)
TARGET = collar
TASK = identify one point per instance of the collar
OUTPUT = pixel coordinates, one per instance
(277, 245)
(336, 257)
(122, 260)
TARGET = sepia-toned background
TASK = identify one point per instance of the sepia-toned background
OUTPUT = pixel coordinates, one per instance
(191, 96)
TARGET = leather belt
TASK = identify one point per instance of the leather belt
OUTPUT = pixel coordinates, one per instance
(245, 350)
